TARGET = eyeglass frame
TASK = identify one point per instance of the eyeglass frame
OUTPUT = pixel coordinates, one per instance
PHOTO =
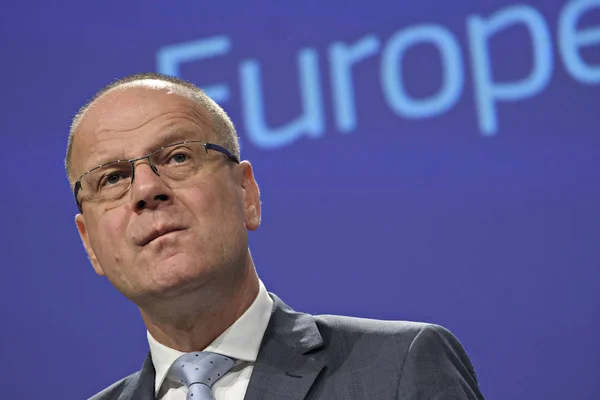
(207, 146)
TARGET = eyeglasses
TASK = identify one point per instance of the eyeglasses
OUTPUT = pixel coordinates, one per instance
(175, 162)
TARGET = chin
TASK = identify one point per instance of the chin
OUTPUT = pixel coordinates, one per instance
(176, 276)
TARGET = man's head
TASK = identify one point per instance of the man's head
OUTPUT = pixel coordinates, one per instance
(164, 236)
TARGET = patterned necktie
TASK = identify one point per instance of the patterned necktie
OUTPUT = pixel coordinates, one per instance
(199, 371)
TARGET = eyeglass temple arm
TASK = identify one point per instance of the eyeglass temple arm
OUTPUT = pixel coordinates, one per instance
(216, 147)
(76, 190)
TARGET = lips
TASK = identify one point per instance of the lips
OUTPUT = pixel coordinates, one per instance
(156, 233)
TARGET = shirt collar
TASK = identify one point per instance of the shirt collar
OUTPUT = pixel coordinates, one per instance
(240, 341)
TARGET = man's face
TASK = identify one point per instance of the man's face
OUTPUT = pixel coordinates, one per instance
(201, 223)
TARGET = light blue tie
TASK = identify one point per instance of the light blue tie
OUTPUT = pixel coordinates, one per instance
(199, 371)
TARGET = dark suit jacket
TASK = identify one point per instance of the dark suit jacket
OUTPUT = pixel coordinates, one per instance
(305, 357)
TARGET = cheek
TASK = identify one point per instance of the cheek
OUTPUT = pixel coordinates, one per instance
(110, 238)
(219, 211)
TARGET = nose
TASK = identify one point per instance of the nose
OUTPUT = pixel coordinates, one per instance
(147, 187)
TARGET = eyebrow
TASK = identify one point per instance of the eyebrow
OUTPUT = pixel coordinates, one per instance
(165, 138)
(171, 136)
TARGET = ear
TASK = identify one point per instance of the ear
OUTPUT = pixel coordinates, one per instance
(85, 239)
(251, 197)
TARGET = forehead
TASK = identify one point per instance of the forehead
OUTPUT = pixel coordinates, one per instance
(127, 122)
(131, 107)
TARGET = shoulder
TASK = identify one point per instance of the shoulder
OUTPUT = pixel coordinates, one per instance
(115, 390)
(401, 337)
(389, 341)
(394, 341)
(365, 328)
(137, 385)
(368, 325)
(423, 357)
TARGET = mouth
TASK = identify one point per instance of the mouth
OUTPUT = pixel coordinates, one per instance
(157, 233)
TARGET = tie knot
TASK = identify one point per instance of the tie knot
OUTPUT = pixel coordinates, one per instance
(200, 367)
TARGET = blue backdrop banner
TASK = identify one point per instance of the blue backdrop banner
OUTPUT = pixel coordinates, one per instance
(431, 161)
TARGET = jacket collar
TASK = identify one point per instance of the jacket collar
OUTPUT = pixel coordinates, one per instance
(140, 386)
(288, 363)
(290, 357)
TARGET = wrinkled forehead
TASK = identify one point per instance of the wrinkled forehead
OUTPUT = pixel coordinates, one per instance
(136, 107)
(130, 103)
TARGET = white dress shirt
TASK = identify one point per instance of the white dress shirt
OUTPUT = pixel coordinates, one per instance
(240, 341)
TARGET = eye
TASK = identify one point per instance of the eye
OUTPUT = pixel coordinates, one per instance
(180, 158)
(112, 179)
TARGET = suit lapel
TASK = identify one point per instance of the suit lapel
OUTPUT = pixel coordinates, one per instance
(141, 385)
(290, 356)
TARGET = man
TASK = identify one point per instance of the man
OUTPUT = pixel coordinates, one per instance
(165, 209)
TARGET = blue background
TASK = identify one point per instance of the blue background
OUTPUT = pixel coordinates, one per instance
(492, 233)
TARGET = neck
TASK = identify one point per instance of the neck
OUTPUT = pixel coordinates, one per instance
(196, 319)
